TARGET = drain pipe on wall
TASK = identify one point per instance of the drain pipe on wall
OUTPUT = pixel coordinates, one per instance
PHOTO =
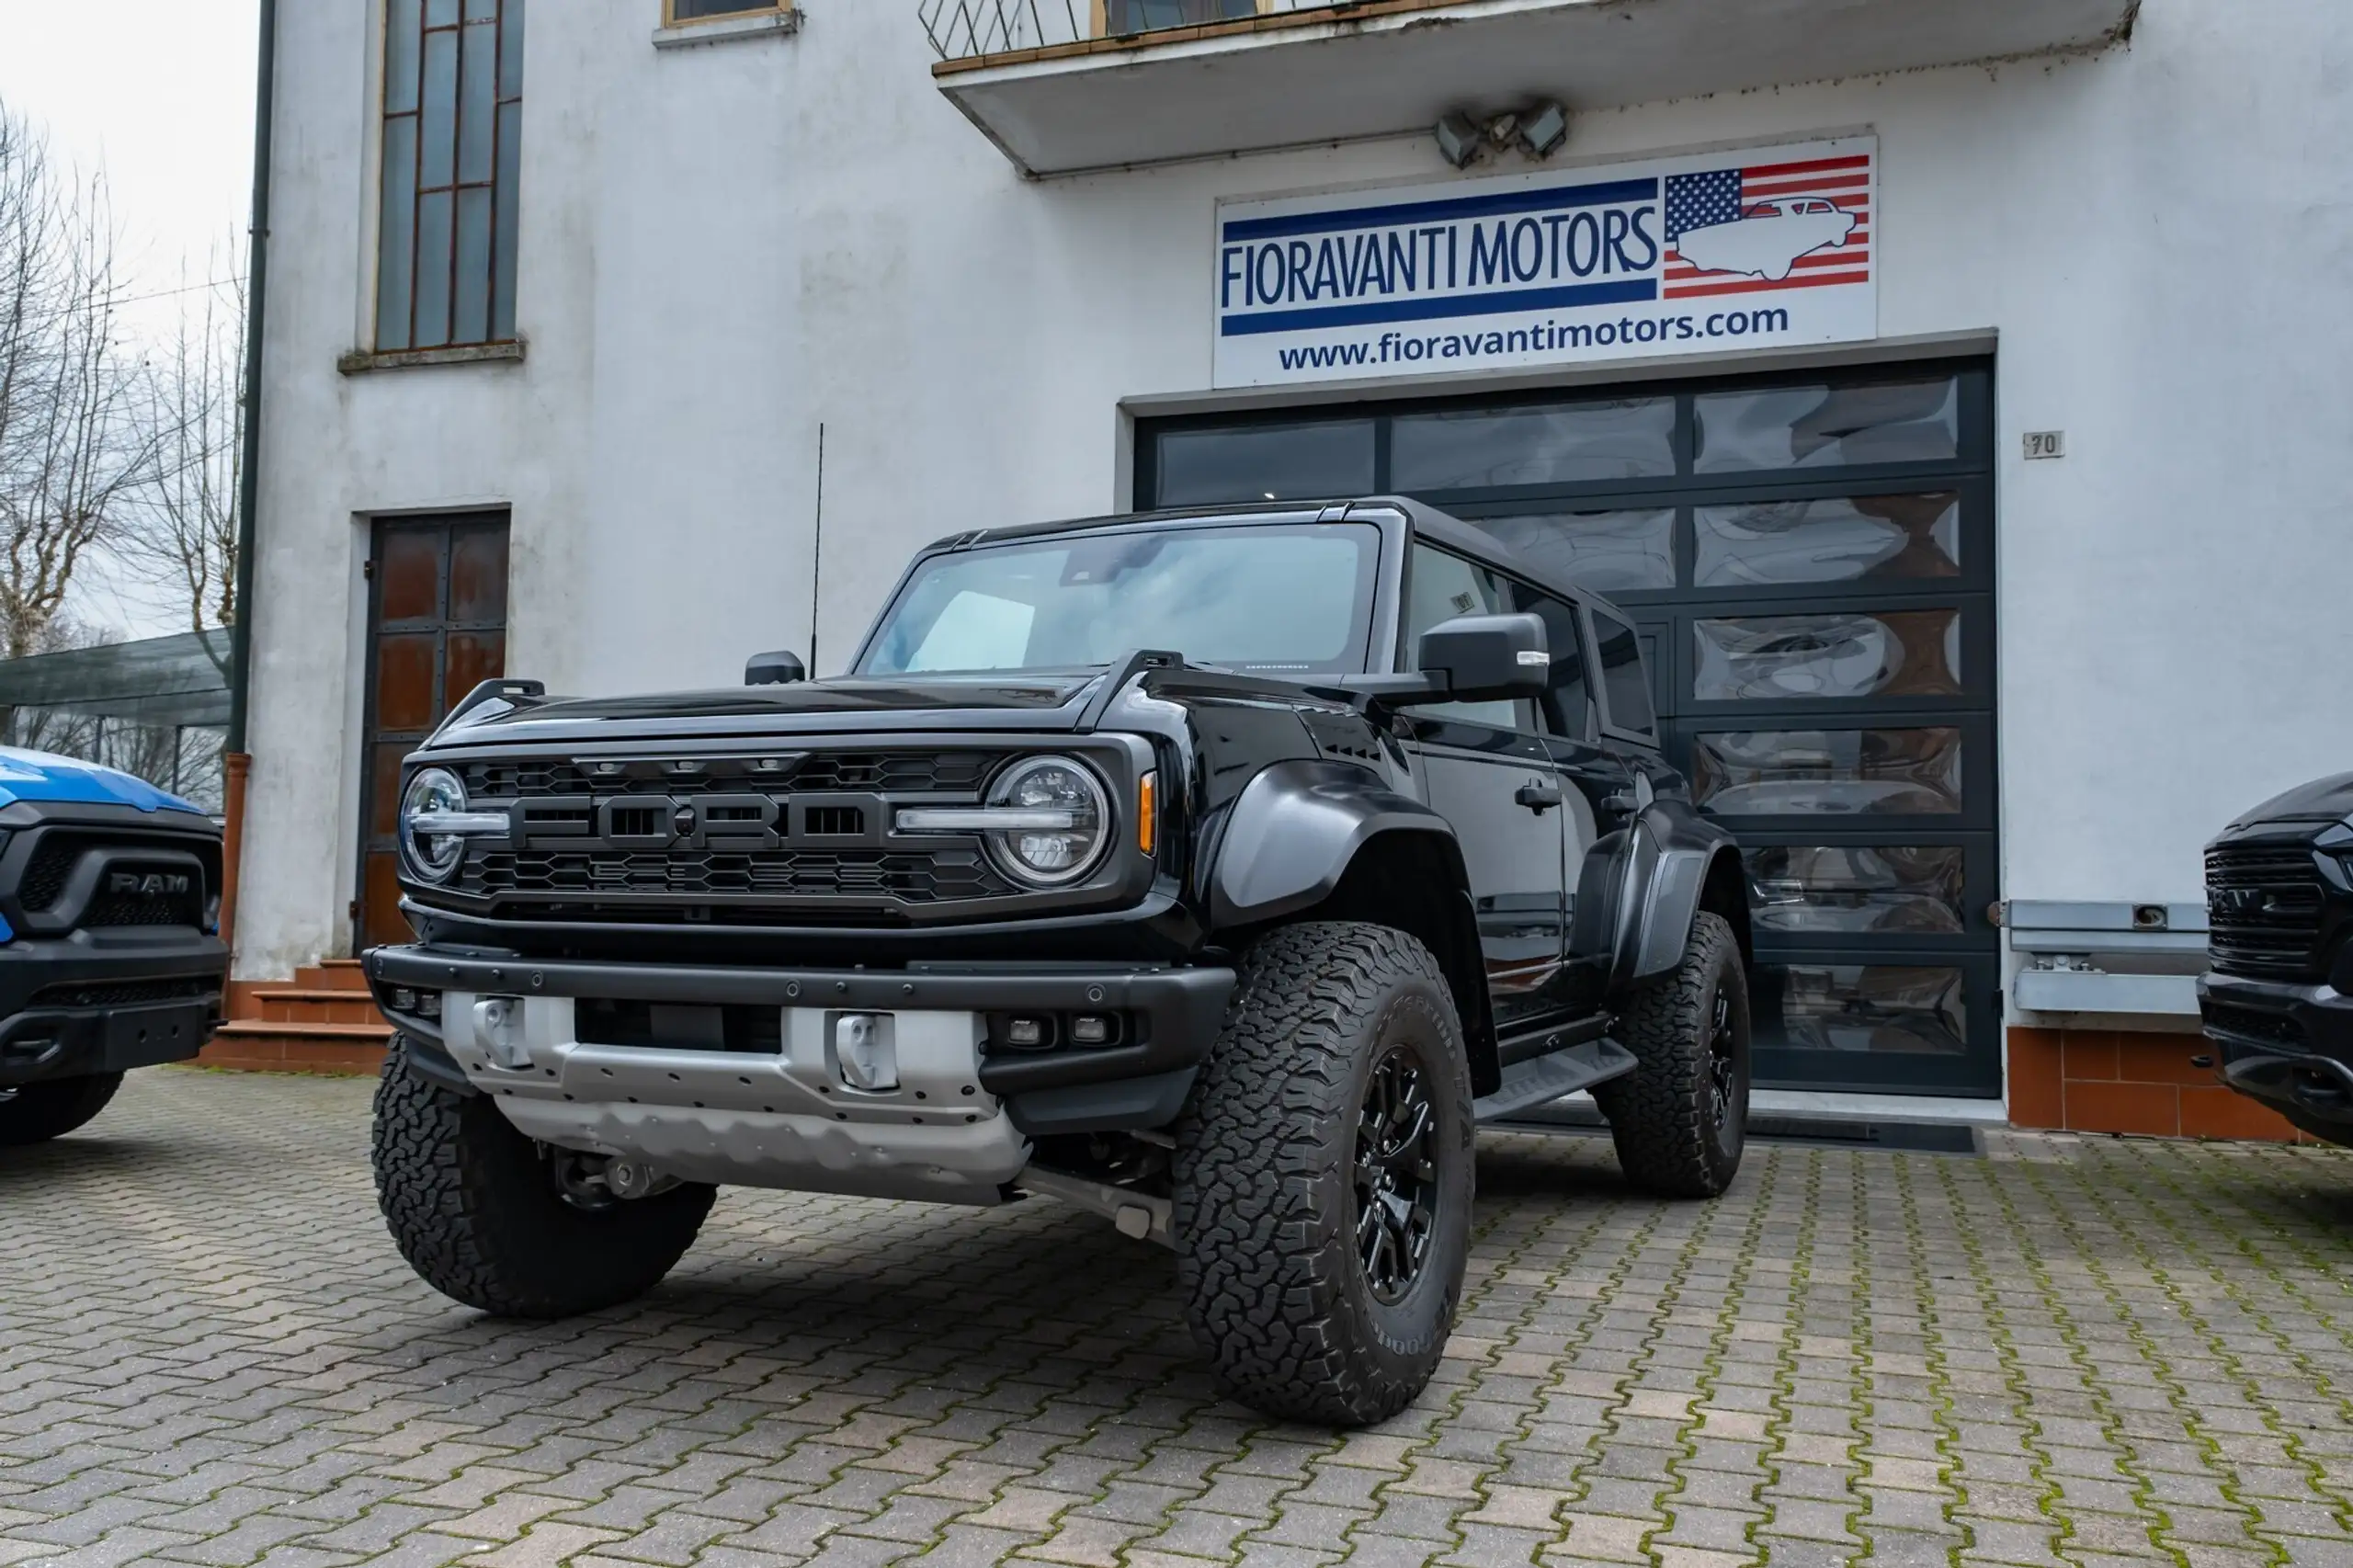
(236, 761)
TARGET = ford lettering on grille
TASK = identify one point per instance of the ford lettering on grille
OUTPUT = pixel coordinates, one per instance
(702, 837)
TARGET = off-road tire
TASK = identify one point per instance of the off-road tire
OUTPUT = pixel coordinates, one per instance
(1265, 1179)
(474, 1206)
(1670, 1142)
(52, 1109)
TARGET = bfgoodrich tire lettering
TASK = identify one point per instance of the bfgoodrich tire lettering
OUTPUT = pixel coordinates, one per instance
(40, 1112)
(474, 1208)
(1271, 1258)
(1680, 1120)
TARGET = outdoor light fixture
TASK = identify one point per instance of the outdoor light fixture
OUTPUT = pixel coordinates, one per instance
(1542, 128)
(1457, 140)
(1538, 131)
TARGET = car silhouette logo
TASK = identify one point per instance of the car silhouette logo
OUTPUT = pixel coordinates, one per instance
(1768, 239)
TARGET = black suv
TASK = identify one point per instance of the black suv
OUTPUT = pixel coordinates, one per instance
(1218, 873)
(2279, 1001)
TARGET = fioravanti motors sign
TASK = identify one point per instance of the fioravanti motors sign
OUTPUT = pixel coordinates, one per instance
(1672, 255)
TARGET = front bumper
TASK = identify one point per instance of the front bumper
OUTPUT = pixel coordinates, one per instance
(956, 1128)
(2289, 1045)
(106, 1002)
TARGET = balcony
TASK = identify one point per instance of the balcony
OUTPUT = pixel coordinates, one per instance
(1064, 86)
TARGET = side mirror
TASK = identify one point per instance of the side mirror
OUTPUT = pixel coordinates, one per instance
(775, 669)
(1486, 658)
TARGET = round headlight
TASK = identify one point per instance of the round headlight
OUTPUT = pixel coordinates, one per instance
(1047, 858)
(437, 792)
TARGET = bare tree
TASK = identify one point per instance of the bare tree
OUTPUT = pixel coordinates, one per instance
(180, 533)
(144, 751)
(72, 444)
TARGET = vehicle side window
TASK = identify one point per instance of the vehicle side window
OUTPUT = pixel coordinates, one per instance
(1568, 702)
(1440, 586)
(1624, 686)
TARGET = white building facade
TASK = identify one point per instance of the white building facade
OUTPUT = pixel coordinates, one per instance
(1954, 394)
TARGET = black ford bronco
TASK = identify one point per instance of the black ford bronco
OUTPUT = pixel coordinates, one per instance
(2279, 997)
(1217, 873)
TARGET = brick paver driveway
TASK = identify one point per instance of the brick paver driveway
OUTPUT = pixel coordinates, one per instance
(2073, 1351)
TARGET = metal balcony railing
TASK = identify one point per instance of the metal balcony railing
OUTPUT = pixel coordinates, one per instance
(973, 29)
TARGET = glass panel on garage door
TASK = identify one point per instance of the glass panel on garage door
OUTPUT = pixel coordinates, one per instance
(436, 627)
(1809, 562)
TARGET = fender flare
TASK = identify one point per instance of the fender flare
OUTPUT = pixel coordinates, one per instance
(1689, 847)
(1289, 836)
(1641, 888)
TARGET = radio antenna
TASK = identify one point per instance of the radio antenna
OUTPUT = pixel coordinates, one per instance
(817, 550)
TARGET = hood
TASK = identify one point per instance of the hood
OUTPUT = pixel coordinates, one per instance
(2322, 800)
(1033, 700)
(40, 776)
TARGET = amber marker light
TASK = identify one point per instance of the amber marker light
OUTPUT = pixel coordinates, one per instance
(1147, 813)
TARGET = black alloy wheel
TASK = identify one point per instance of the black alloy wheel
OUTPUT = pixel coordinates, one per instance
(1396, 1175)
(1723, 1061)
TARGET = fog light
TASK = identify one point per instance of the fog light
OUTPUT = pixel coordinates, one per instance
(403, 1000)
(1090, 1029)
(428, 1005)
(1026, 1031)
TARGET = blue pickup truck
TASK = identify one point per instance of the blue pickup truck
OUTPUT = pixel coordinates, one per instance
(110, 950)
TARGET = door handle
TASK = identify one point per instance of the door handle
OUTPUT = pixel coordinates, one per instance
(1537, 797)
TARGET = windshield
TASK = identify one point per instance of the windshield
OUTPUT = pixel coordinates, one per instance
(1277, 599)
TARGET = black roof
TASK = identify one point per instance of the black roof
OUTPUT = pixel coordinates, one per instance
(1428, 522)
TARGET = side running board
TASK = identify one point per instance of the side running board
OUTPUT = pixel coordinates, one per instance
(1528, 1085)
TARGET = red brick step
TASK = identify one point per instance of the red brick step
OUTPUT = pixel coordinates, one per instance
(331, 1004)
(333, 974)
(323, 1021)
(256, 1045)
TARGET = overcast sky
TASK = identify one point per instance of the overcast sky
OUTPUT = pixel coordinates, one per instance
(160, 94)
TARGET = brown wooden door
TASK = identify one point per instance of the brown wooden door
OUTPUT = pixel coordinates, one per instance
(436, 627)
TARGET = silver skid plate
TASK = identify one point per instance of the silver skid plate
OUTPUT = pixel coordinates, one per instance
(794, 1119)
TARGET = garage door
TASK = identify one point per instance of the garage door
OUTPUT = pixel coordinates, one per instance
(1810, 560)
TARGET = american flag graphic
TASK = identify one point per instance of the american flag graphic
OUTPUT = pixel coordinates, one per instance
(1789, 191)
